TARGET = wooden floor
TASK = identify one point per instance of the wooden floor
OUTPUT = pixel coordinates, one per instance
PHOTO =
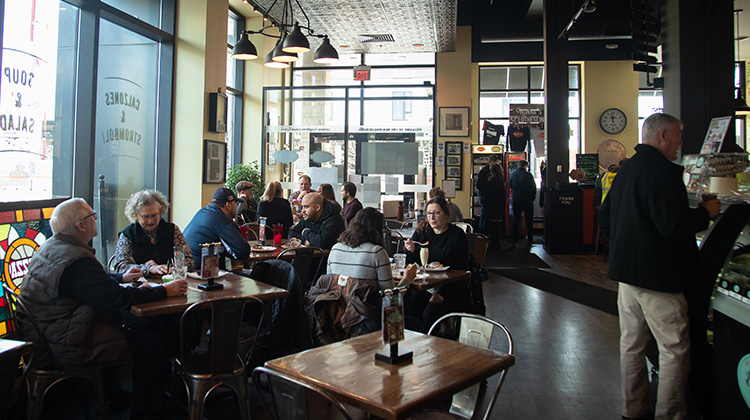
(567, 353)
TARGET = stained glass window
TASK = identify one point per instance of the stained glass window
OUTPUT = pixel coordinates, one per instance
(22, 230)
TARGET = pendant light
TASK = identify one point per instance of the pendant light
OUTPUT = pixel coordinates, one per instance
(293, 40)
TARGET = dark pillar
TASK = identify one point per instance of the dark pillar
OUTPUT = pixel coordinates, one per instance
(698, 59)
(557, 132)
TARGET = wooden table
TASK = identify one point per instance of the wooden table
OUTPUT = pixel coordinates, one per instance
(436, 278)
(234, 285)
(348, 370)
(270, 255)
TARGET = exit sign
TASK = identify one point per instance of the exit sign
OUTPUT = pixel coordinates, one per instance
(362, 73)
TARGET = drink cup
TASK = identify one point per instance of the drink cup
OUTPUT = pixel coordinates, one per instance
(708, 196)
(277, 230)
(400, 261)
(245, 230)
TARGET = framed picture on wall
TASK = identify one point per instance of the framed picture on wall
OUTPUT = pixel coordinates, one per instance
(214, 162)
(454, 122)
(454, 161)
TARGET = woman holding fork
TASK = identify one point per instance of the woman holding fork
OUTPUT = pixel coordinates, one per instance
(446, 243)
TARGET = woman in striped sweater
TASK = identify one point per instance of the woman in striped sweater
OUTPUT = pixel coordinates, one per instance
(360, 252)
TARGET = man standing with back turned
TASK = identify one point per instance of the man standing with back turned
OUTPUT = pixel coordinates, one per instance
(653, 254)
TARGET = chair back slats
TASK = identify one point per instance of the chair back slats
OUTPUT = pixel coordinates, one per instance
(290, 397)
(224, 317)
(478, 244)
(478, 331)
(303, 262)
(23, 316)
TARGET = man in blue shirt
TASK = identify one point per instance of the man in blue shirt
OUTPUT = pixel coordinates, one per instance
(215, 223)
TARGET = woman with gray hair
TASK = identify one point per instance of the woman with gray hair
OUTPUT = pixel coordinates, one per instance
(149, 241)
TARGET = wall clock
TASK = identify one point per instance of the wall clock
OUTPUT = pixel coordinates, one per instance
(613, 121)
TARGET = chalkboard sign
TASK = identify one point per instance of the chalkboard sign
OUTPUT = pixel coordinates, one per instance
(589, 164)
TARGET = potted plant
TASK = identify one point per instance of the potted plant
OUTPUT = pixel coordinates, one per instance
(250, 172)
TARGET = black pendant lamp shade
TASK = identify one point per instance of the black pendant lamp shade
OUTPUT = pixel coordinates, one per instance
(280, 55)
(274, 64)
(326, 54)
(244, 49)
(296, 42)
(740, 106)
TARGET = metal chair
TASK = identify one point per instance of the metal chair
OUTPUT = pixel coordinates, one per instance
(478, 331)
(255, 228)
(394, 224)
(465, 226)
(39, 380)
(393, 241)
(253, 233)
(216, 360)
(303, 262)
(288, 397)
(478, 243)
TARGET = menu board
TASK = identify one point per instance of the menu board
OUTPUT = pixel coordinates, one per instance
(715, 134)
(589, 164)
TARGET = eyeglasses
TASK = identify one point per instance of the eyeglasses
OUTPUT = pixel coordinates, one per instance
(433, 213)
(93, 214)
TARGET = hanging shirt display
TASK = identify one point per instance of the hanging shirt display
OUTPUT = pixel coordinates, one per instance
(518, 138)
(492, 133)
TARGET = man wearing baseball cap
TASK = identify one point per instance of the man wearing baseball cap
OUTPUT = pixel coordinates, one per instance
(214, 223)
(246, 212)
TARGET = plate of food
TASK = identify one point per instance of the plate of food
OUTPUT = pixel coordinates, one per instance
(292, 243)
(436, 266)
(258, 248)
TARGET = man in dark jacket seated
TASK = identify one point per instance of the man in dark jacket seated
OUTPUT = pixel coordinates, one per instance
(215, 223)
(77, 303)
(321, 225)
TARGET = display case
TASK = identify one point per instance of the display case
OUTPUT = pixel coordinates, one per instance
(724, 174)
(731, 332)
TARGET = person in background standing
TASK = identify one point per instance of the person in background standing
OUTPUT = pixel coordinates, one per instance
(604, 182)
(495, 203)
(351, 204)
(246, 210)
(654, 256)
(482, 178)
(524, 193)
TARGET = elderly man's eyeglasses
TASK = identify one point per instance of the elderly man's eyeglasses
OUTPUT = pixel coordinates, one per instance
(93, 214)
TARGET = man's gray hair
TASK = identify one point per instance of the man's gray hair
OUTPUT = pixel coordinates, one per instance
(655, 123)
(67, 214)
(142, 199)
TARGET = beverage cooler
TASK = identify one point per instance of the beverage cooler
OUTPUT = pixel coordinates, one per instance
(480, 155)
(509, 161)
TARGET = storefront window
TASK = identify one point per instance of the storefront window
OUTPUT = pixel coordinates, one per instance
(36, 107)
(501, 86)
(125, 120)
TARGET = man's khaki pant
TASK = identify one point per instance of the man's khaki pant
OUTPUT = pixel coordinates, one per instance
(665, 314)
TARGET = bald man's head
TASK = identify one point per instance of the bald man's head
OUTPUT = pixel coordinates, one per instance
(312, 206)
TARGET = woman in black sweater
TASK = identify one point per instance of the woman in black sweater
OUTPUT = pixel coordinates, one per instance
(448, 246)
(275, 208)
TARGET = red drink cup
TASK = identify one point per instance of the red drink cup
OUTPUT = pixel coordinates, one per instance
(245, 230)
(277, 229)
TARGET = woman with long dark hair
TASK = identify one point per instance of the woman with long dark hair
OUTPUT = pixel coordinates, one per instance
(361, 253)
(446, 244)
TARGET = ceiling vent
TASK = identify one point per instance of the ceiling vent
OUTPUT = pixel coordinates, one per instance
(376, 38)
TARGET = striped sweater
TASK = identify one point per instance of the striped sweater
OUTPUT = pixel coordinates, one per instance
(367, 262)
